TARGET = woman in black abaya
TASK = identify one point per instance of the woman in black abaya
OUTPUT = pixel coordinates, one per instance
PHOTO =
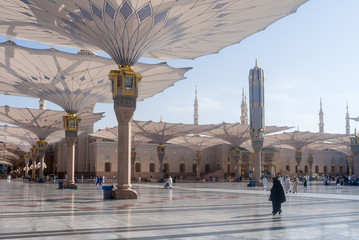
(277, 196)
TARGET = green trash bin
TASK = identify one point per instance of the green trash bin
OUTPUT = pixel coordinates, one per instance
(107, 192)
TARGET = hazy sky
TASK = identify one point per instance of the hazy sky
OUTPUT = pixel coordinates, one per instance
(307, 55)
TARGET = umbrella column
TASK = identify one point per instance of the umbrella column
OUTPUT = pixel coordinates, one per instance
(236, 155)
(298, 159)
(256, 103)
(198, 164)
(41, 146)
(133, 159)
(71, 126)
(350, 162)
(33, 157)
(124, 92)
(161, 155)
(354, 145)
(310, 162)
(27, 160)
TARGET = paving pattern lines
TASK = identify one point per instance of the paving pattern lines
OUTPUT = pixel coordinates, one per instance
(245, 226)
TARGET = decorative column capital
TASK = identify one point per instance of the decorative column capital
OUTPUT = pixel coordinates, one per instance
(310, 160)
(298, 156)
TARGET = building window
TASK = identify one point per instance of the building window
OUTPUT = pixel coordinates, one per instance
(152, 167)
(107, 167)
(182, 168)
(228, 167)
(166, 167)
(340, 170)
(316, 169)
(325, 170)
(138, 167)
(207, 168)
(287, 168)
(332, 170)
(266, 168)
(306, 168)
(194, 168)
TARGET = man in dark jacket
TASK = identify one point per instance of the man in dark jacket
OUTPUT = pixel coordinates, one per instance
(277, 196)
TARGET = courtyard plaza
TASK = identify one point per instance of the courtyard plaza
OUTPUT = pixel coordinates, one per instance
(202, 210)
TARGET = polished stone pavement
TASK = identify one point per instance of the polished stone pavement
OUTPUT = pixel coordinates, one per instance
(188, 211)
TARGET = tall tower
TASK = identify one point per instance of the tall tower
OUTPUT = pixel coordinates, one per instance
(42, 104)
(244, 109)
(195, 105)
(256, 111)
(347, 126)
(321, 114)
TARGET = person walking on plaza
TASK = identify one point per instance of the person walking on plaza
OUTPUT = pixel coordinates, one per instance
(338, 183)
(277, 196)
(295, 185)
(264, 181)
(287, 184)
(305, 182)
(170, 181)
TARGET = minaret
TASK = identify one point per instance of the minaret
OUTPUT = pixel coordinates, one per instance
(42, 104)
(321, 114)
(347, 126)
(244, 109)
(256, 111)
(195, 105)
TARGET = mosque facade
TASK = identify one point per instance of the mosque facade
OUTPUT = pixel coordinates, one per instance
(98, 157)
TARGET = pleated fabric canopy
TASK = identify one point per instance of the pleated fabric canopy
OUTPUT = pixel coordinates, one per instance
(128, 30)
(72, 81)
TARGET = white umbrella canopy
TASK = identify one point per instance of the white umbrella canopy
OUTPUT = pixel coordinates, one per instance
(42, 122)
(318, 146)
(128, 30)
(13, 141)
(72, 81)
(112, 133)
(28, 136)
(4, 146)
(297, 140)
(237, 133)
(196, 142)
(162, 132)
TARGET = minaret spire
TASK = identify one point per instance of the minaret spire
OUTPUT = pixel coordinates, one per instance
(244, 109)
(347, 125)
(321, 115)
(195, 105)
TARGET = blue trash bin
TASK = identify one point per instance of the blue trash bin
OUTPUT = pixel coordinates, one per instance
(107, 192)
(252, 183)
(61, 185)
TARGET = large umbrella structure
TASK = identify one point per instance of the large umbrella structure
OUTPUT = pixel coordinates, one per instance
(237, 134)
(343, 144)
(44, 123)
(316, 147)
(298, 140)
(136, 139)
(32, 139)
(72, 81)
(128, 30)
(198, 144)
(162, 132)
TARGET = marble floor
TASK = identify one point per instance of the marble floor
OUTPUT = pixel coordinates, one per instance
(188, 211)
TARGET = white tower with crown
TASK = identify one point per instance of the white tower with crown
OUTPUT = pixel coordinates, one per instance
(347, 125)
(244, 109)
(321, 115)
(195, 105)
